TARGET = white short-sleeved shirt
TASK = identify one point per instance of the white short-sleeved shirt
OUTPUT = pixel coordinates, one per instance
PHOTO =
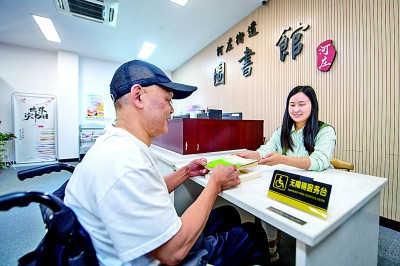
(121, 199)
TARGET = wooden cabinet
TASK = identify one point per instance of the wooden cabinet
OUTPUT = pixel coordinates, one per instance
(190, 136)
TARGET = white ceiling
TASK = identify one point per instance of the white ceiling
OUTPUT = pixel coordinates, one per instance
(179, 32)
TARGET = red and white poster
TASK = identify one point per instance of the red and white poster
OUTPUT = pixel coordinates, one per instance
(34, 125)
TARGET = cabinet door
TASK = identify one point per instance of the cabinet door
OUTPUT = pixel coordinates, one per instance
(204, 135)
(253, 134)
(190, 133)
(199, 136)
(208, 135)
(221, 135)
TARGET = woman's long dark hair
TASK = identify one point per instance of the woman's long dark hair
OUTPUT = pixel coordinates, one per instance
(312, 125)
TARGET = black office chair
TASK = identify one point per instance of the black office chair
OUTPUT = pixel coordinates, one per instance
(66, 242)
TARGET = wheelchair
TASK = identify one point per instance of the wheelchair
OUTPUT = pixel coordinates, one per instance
(66, 242)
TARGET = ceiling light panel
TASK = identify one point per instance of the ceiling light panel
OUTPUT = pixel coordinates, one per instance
(180, 2)
(147, 50)
(47, 28)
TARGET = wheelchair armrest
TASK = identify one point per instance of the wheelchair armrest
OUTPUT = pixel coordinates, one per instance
(45, 169)
(22, 199)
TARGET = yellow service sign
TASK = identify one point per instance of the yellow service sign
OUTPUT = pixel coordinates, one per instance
(300, 192)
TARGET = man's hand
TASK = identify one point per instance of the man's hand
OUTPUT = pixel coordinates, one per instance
(196, 167)
(196, 215)
(225, 177)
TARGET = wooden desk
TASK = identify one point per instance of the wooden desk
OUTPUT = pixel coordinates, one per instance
(349, 235)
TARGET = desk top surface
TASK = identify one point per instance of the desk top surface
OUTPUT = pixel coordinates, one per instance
(350, 192)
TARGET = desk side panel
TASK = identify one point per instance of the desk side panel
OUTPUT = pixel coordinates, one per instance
(355, 242)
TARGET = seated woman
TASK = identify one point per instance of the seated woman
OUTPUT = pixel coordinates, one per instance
(301, 141)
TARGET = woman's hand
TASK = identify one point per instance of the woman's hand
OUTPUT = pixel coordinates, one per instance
(272, 158)
(249, 155)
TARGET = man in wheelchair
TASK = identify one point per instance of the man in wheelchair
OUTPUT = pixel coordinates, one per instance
(121, 199)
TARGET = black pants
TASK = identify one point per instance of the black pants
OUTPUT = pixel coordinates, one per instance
(229, 242)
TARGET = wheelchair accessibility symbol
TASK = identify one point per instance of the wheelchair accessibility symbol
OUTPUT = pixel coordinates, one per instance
(280, 182)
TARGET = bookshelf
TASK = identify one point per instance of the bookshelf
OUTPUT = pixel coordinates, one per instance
(87, 136)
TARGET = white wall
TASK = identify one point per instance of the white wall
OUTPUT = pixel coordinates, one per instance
(95, 77)
(67, 93)
(68, 76)
(24, 70)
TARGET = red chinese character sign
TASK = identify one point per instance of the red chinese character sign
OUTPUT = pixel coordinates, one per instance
(326, 54)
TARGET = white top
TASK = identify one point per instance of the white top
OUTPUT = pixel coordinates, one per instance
(350, 192)
(121, 199)
(325, 142)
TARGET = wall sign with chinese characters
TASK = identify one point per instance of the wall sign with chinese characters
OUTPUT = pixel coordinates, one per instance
(246, 59)
(295, 36)
(326, 54)
(219, 74)
(34, 124)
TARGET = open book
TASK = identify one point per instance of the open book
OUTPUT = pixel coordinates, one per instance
(241, 163)
(245, 175)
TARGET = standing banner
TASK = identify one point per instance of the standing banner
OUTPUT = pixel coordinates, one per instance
(34, 123)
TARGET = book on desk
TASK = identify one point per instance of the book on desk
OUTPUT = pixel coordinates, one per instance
(245, 175)
(242, 164)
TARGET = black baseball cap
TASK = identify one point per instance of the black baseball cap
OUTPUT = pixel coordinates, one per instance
(144, 74)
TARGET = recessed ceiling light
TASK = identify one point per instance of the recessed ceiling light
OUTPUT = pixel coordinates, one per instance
(147, 50)
(47, 28)
(179, 2)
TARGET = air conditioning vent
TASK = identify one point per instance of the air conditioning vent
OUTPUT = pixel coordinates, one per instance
(103, 11)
